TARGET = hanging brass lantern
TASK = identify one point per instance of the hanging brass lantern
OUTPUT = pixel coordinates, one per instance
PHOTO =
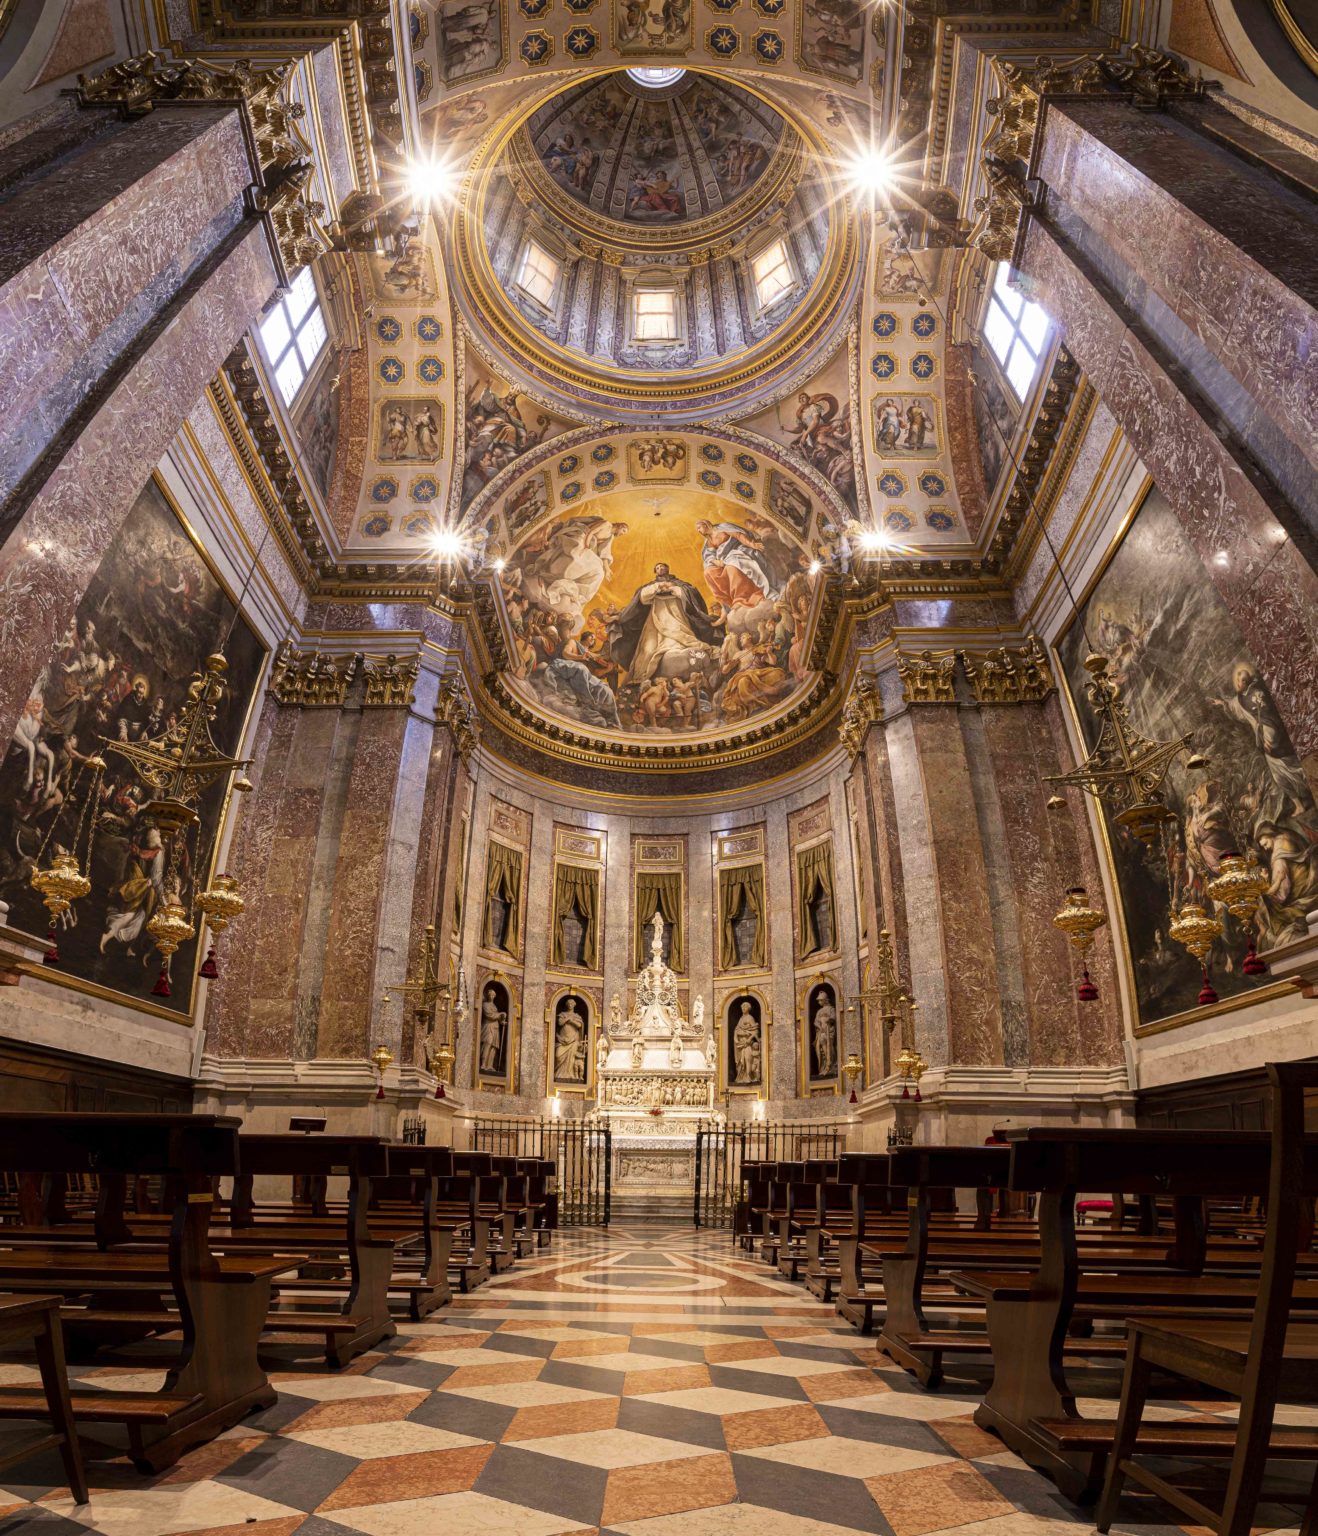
(169, 927)
(383, 1058)
(1080, 922)
(60, 885)
(445, 1056)
(219, 904)
(851, 1070)
(1238, 884)
(1198, 932)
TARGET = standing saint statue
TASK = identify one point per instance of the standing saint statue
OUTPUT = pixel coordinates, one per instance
(824, 1031)
(493, 1020)
(746, 1053)
(569, 1045)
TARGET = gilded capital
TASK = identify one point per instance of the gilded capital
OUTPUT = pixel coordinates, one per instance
(1009, 676)
(928, 678)
(864, 707)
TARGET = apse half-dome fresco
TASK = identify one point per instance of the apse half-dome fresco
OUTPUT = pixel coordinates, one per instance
(673, 612)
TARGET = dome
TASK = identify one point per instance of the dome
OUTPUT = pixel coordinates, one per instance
(666, 250)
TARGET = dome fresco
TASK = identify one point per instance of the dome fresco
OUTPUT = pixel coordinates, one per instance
(646, 159)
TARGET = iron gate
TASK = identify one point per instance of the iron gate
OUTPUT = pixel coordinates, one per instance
(721, 1151)
(582, 1156)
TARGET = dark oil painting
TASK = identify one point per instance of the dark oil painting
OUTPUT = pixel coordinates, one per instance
(1183, 667)
(120, 673)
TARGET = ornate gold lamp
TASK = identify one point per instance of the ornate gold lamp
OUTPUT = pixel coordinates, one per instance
(179, 765)
(1237, 886)
(1198, 932)
(851, 1070)
(1125, 771)
(66, 878)
(383, 1059)
(425, 987)
(1080, 922)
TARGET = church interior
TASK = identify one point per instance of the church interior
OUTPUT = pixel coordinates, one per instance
(659, 846)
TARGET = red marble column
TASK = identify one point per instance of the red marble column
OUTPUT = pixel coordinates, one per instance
(1224, 502)
(974, 1012)
(1044, 858)
(129, 272)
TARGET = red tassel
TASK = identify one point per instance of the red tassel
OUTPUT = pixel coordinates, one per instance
(918, 1099)
(161, 988)
(439, 1090)
(1087, 992)
(379, 1092)
(853, 1099)
(906, 1092)
(51, 957)
(209, 969)
(1252, 965)
(1206, 993)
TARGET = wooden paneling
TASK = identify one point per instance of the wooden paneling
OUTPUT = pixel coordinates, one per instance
(36, 1079)
(1239, 1101)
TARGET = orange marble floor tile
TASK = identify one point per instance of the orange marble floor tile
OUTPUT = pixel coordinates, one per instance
(787, 1331)
(570, 1349)
(668, 1488)
(966, 1438)
(858, 1382)
(743, 1349)
(494, 1375)
(563, 1419)
(680, 1379)
(773, 1426)
(390, 1479)
(936, 1498)
(471, 1338)
(357, 1410)
(284, 1525)
(206, 1460)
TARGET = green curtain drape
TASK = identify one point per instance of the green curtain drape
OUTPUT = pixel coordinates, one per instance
(503, 877)
(658, 891)
(574, 885)
(814, 872)
(734, 885)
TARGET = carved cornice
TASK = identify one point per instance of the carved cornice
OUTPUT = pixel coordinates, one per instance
(863, 708)
(137, 85)
(1007, 155)
(928, 678)
(1010, 676)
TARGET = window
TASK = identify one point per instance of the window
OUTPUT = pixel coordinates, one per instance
(654, 314)
(293, 335)
(772, 272)
(1016, 331)
(656, 79)
(538, 274)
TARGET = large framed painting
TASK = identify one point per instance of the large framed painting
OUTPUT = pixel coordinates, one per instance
(120, 673)
(1183, 666)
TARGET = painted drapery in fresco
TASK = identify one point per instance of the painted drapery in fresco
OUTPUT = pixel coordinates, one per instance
(1183, 666)
(150, 616)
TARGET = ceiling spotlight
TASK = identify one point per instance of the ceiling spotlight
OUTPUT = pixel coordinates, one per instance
(432, 181)
(872, 541)
(500, 563)
(869, 171)
(815, 568)
(447, 543)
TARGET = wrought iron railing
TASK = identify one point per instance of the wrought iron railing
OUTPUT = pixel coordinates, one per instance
(722, 1150)
(582, 1156)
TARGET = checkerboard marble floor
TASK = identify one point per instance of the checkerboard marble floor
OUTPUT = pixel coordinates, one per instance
(644, 1382)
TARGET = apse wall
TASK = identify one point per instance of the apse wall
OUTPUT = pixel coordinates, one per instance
(777, 850)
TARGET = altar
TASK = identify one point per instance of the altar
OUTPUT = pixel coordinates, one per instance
(655, 1082)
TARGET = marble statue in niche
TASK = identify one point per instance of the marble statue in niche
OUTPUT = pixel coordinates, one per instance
(493, 1043)
(151, 614)
(500, 911)
(574, 936)
(821, 912)
(571, 1041)
(1183, 666)
(823, 1032)
(745, 1042)
(745, 927)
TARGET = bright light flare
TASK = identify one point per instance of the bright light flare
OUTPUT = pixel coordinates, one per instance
(869, 171)
(815, 568)
(432, 180)
(872, 541)
(447, 544)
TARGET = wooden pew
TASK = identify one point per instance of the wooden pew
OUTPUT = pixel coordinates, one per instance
(802, 1214)
(221, 1300)
(410, 1191)
(457, 1198)
(1029, 1312)
(1255, 1360)
(35, 1320)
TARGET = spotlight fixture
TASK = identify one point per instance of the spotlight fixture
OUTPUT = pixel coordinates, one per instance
(433, 180)
(447, 544)
(869, 171)
(872, 541)
(815, 567)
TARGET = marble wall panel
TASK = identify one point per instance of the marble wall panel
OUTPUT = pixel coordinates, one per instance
(974, 1003)
(962, 445)
(52, 553)
(1216, 493)
(348, 984)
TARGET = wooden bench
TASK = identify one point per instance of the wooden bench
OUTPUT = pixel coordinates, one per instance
(110, 1291)
(35, 1320)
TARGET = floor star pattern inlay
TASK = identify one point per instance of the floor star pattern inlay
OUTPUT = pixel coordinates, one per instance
(643, 1382)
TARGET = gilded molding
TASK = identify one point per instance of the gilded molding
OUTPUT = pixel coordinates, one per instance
(139, 84)
(453, 709)
(1146, 75)
(1008, 675)
(311, 679)
(389, 682)
(928, 678)
(863, 708)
